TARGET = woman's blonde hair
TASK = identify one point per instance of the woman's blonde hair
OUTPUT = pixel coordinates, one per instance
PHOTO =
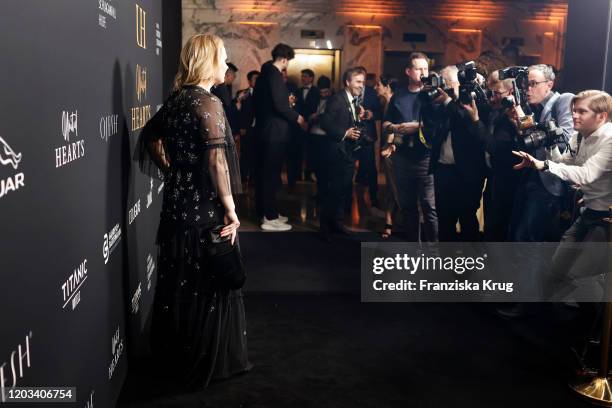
(200, 59)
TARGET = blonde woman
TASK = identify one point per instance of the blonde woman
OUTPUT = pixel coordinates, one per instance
(199, 325)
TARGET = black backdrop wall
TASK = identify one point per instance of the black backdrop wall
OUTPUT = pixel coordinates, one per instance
(78, 80)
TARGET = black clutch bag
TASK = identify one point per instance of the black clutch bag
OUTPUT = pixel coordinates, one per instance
(225, 260)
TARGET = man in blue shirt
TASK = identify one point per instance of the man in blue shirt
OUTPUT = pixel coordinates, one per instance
(411, 159)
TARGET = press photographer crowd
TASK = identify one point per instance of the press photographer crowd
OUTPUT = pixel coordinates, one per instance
(473, 135)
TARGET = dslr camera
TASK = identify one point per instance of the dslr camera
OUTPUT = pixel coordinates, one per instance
(542, 135)
(469, 88)
(431, 87)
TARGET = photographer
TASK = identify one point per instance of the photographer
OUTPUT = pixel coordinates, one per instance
(411, 158)
(500, 141)
(588, 165)
(538, 199)
(457, 162)
(341, 138)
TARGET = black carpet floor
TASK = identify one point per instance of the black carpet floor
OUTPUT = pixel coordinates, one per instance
(314, 344)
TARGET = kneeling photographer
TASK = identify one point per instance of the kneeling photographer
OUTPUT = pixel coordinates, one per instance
(457, 154)
(588, 165)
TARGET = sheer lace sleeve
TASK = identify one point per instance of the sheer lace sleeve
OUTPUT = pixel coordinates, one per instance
(150, 152)
(220, 159)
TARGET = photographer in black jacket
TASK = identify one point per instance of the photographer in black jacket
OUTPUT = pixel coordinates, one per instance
(457, 162)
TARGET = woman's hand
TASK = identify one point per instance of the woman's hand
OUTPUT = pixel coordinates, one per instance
(231, 225)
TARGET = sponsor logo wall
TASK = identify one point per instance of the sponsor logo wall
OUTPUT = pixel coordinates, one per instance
(78, 218)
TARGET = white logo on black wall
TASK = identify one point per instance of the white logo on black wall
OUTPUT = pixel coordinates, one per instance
(89, 403)
(111, 241)
(150, 194)
(71, 288)
(14, 369)
(116, 351)
(158, 39)
(150, 269)
(136, 299)
(109, 126)
(106, 10)
(133, 212)
(8, 157)
(73, 149)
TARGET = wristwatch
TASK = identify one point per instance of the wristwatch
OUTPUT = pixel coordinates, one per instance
(546, 167)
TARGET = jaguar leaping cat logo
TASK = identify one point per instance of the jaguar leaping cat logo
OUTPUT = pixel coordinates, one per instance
(8, 155)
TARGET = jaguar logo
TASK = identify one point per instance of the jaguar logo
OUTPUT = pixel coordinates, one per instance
(8, 155)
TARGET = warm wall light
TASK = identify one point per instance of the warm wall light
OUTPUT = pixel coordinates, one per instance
(549, 34)
(465, 30)
(363, 26)
(262, 23)
(329, 45)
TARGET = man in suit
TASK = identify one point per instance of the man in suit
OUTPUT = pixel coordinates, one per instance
(273, 118)
(538, 199)
(224, 92)
(307, 101)
(246, 119)
(338, 122)
(457, 163)
(367, 173)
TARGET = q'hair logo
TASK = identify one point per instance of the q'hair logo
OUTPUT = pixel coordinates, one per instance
(111, 241)
(89, 402)
(9, 158)
(19, 360)
(73, 149)
(106, 10)
(141, 27)
(116, 351)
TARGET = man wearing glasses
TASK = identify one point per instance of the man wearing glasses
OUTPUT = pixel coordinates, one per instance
(536, 211)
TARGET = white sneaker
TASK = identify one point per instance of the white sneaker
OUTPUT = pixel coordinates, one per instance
(281, 218)
(274, 225)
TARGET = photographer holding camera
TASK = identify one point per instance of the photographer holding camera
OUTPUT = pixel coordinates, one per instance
(588, 165)
(500, 141)
(342, 137)
(535, 216)
(457, 156)
(411, 158)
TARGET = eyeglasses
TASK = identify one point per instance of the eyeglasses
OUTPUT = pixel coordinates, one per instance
(533, 84)
(498, 93)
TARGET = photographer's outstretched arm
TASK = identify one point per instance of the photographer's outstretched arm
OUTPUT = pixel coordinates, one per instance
(594, 168)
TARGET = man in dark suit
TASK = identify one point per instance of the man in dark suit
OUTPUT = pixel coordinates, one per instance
(224, 92)
(367, 173)
(246, 119)
(273, 118)
(338, 122)
(457, 163)
(307, 101)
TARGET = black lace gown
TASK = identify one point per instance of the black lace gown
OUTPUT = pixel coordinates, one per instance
(198, 330)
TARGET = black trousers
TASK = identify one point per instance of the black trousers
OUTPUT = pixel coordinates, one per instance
(295, 153)
(318, 146)
(501, 189)
(338, 170)
(271, 156)
(248, 155)
(457, 199)
(414, 187)
(367, 173)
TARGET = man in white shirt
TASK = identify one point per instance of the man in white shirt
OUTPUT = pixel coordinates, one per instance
(589, 166)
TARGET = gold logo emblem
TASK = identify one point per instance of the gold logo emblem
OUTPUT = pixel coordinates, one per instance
(141, 83)
(141, 27)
